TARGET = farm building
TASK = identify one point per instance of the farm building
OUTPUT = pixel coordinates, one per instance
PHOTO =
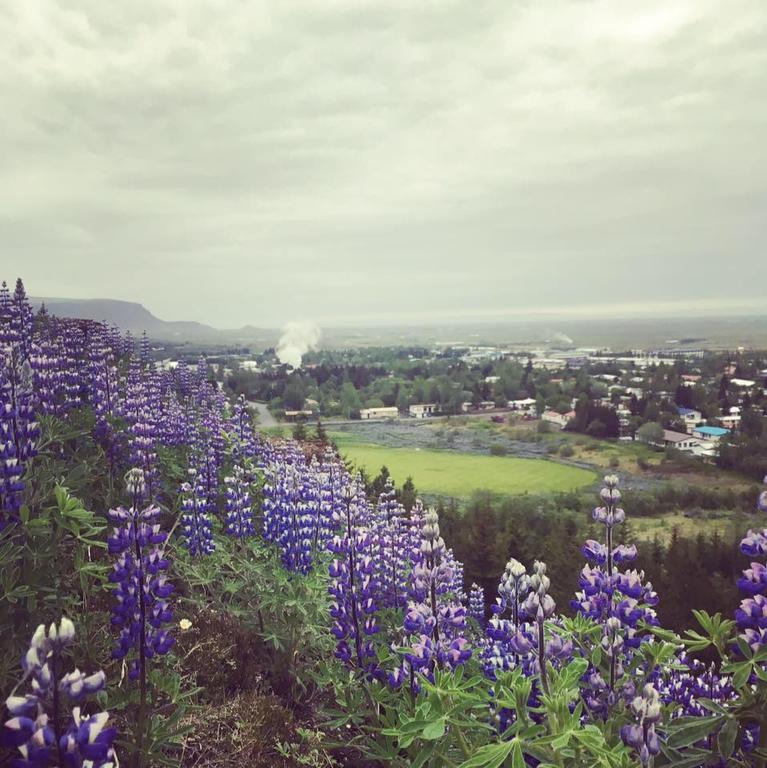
(380, 413)
(422, 410)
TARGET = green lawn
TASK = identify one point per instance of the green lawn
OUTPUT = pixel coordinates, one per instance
(458, 474)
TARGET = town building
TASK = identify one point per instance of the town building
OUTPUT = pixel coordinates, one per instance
(380, 413)
(681, 441)
(525, 406)
(690, 417)
(705, 432)
(422, 410)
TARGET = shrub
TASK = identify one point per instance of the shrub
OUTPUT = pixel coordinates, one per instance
(497, 449)
(566, 450)
(615, 462)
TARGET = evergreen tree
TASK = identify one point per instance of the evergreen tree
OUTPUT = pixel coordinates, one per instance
(407, 496)
(378, 486)
(299, 431)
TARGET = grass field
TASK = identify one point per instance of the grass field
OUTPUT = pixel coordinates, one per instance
(458, 474)
(662, 526)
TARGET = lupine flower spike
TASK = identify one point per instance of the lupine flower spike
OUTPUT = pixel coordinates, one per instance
(48, 724)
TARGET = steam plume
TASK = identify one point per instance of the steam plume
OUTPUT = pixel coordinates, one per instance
(296, 340)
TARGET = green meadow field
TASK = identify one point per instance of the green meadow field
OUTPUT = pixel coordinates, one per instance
(459, 474)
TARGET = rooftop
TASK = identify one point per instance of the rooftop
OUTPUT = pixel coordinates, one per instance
(670, 436)
(713, 431)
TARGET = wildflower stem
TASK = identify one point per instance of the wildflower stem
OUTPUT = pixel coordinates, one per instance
(542, 656)
(142, 637)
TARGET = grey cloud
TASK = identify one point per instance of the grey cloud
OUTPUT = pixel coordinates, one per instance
(256, 162)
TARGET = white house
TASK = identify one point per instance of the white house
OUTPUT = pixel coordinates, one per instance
(690, 417)
(379, 413)
(298, 415)
(526, 406)
(422, 410)
(679, 440)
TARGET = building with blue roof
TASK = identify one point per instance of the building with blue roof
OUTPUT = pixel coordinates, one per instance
(710, 433)
(690, 416)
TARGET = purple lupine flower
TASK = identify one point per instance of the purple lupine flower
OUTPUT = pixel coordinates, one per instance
(18, 434)
(618, 600)
(47, 361)
(205, 452)
(292, 504)
(751, 615)
(539, 605)
(522, 633)
(47, 724)
(239, 506)
(477, 604)
(139, 410)
(641, 735)
(509, 639)
(435, 620)
(353, 583)
(141, 587)
(22, 318)
(391, 531)
(196, 525)
(684, 685)
(245, 444)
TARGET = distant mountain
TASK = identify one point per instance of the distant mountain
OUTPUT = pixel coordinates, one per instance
(136, 318)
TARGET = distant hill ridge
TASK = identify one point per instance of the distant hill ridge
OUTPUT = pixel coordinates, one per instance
(136, 318)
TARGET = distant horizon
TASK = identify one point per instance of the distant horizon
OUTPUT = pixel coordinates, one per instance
(705, 309)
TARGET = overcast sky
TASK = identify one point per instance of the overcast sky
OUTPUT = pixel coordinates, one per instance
(343, 160)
